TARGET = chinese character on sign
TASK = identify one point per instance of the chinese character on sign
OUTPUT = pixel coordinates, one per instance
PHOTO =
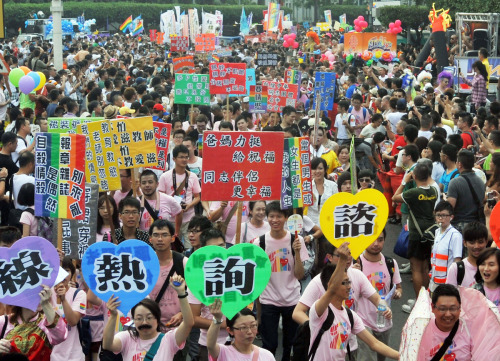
(232, 274)
(120, 273)
(354, 220)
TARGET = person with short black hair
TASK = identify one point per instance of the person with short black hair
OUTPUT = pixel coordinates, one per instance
(23, 129)
(129, 209)
(196, 226)
(26, 168)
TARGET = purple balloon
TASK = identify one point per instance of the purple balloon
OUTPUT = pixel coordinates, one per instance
(26, 84)
(41, 266)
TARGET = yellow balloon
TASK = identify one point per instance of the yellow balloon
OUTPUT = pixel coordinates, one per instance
(358, 219)
(301, 60)
(42, 81)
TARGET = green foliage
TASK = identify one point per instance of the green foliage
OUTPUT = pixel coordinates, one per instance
(351, 11)
(116, 12)
(410, 16)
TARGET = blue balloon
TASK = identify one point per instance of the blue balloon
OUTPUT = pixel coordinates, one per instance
(36, 77)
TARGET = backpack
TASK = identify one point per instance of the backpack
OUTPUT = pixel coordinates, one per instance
(460, 272)
(474, 140)
(84, 331)
(262, 243)
(389, 262)
(177, 267)
(45, 226)
(364, 111)
(302, 338)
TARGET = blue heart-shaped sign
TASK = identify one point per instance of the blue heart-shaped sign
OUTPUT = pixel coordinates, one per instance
(25, 267)
(128, 270)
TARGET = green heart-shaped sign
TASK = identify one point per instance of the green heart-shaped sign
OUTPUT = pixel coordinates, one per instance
(237, 275)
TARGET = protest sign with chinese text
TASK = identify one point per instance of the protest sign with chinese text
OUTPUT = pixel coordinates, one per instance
(325, 87)
(205, 42)
(267, 59)
(279, 95)
(67, 125)
(79, 235)
(241, 166)
(60, 175)
(162, 138)
(258, 99)
(101, 155)
(25, 267)
(192, 89)
(128, 270)
(237, 275)
(250, 74)
(179, 43)
(228, 78)
(293, 76)
(358, 219)
(296, 187)
(184, 62)
(136, 142)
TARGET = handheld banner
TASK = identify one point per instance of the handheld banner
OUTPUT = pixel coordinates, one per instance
(79, 235)
(179, 43)
(280, 95)
(237, 275)
(162, 138)
(192, 89)
(295, 223)
(228, 78)
(24, 267)
(325, 87)
(205, 42)
(128, 270)
(250, 74)
(241, 167)
(267, 59)
(68, 125)
(60, 175)
(359, 42)
(101, 155)
(293, 76)
(495, 224)
(296, 186)
(258, 99)
(358, 219)
(136, 142)
(181, 63)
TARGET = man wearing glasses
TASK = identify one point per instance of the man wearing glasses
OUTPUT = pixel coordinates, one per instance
(130, 213)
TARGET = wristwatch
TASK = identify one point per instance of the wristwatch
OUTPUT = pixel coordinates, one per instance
(217, 322)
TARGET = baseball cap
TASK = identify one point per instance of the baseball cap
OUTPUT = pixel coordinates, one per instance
(126, 110)
(246, 99)
(158, 108)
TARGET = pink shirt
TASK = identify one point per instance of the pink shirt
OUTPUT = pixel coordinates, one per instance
(169, 303)
(333, 344)
(379, 277)
(469, 276)
(283, 289)
(459, 350)
(493, 295)
(360, 120)
(167, 186)
(119, 195)
(231, 227)
(70, 349)
(30, 220)
(249, 232)
(229, 353)
(205, 313)
(168, 207)
(96, 327)
(135, 349)
(104, 231)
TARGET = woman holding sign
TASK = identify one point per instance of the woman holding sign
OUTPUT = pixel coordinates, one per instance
(147, 340)
(242, 328)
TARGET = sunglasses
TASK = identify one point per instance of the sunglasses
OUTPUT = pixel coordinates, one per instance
(365, 180)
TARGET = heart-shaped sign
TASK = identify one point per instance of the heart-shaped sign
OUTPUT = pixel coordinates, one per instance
(358, 219)
(495, 224)
(237, 275)
(24, 267)
(128, 270)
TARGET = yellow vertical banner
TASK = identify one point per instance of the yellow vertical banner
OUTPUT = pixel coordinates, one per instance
(2, 23)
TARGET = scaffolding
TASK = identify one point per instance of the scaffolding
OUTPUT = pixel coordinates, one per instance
(491, 19)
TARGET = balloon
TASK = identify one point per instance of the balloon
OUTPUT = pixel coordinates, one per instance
(364, 24)
(15, 75)
(358, 28)
(35, 77)
(312, 58)
(378, 54)
(369, 62)
(356, 21)
(301, 60)
(397, 23)
(286, 44)
(328, 53)
(293, 36)
(26, 84)
(331, 57)
(25, 69)
(349, 58)
(42, 80)
(295, 45)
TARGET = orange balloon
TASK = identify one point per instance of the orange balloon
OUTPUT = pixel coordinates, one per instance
(25, 69)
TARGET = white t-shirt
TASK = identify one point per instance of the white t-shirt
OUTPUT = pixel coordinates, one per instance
(369, 130)
(229, 353)
(394, 118)
(22, 144)
(447, 246)
(283, 289)
(70, 349)
(437, 171)
(196, 166)
(469, 276)
(333, 344)
(18, 181)
(341, 129)
(425, 133)
(3, 110)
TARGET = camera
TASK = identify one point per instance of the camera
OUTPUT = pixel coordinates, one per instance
(384, 123)
(491, 199)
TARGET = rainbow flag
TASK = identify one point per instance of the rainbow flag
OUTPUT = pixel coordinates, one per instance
(139, 27)
(126, 23)
(273, 15)
(292, 76)
(83, 306)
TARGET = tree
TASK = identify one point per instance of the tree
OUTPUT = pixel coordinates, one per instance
(412, 17)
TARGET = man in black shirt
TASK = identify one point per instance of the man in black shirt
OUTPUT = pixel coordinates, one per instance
(9, 145)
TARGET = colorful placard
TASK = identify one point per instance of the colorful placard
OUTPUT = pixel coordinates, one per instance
(184, 63)
(192, 89)
(79, 235)
(358, 219)
(68, 125)
(25, 267)
(325, 26)
(280, 95)
(60, 175)
(101, 155)
(205, 42)
(324, 86)
(296, 186)
(136, 142)
(241, 166)
(258, 99)
(228, 78)
(237, 276)
(267, 59)
(250, 74)
(224, 52)
(359, 42)
(162, 138)
(179, 43)
(293, 76)
(128, 270)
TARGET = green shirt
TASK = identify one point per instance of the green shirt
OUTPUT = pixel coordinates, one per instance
(487, 161)
(25, 101)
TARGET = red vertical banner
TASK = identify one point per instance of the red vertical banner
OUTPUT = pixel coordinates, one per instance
(228, 78)
(162, 137)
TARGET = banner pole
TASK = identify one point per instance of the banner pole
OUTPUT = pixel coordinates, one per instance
(239, 215)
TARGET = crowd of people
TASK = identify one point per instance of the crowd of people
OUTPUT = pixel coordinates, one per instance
(430, 150)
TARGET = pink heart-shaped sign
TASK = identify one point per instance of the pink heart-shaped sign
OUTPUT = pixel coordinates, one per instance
(24, 267)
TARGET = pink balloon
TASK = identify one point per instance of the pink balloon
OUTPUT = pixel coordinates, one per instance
(285, 37)
(398, 22)
(389, 31)
(328, 53)
(398, 30)
(358, 28)
(391, 25)
(364, 24)
(286, 44)
(356, 21)
(293, 36)
(295, 45)
(331, 57)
